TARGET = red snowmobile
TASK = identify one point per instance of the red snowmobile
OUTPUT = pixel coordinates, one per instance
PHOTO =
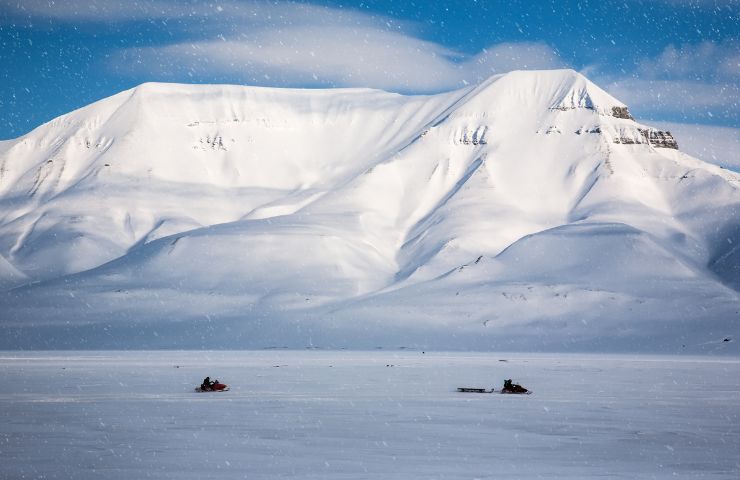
(212, 386)
(510, 387)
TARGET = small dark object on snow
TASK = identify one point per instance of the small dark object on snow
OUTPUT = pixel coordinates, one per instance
(510, 387)
(727, 339)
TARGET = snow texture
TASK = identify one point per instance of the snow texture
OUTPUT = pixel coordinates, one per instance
(528, 212)
(390, 415)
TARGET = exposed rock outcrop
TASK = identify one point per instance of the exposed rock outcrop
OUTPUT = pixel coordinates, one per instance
(650, 136)
(621, 112)
(472, 137)
(215, 142)
(594, 129)
(658, 138)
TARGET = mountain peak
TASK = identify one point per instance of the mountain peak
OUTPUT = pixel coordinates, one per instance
(563, 89)
(269, 207)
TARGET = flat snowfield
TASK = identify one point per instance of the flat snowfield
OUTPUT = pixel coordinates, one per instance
(369, 415)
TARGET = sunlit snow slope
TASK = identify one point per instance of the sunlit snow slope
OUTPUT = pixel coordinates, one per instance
(528, 212)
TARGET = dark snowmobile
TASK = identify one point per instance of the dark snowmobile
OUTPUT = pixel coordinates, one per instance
(510, 387)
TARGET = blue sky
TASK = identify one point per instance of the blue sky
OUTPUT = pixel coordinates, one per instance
(674, 61)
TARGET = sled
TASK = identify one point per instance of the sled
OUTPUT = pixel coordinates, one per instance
(474, 390)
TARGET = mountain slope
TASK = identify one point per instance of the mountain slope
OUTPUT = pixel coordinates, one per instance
(530, 211)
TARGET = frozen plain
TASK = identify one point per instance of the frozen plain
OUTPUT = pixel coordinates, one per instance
(381, 414)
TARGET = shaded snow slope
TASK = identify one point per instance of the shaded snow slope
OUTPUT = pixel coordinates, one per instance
(530, 210)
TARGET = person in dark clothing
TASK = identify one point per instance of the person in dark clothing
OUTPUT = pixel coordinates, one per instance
(206, 385)
(510, 387)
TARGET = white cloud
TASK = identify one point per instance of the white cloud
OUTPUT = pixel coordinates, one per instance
(718, 145)
(356, 56)
(695, 83)
(677, 96)
(705, 60)
(699, 82)
(348, 56)
(289, 44)
(196, 15)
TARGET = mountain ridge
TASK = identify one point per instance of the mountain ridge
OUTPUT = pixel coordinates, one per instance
(318, 213)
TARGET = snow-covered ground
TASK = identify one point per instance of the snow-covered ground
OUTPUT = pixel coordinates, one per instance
(381, 414)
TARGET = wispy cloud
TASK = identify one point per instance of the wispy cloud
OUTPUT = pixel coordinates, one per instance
(194, 19)
(687, 99)
(281, 43)
(699, 83)
(703, 61)
(334, 56)
(298, 55)
(718, 145)
(289, 44)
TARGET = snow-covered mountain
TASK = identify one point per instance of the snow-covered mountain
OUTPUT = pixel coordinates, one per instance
(528, 212)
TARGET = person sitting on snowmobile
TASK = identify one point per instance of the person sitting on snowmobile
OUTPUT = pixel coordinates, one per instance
(510, 387)
(207, 384)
